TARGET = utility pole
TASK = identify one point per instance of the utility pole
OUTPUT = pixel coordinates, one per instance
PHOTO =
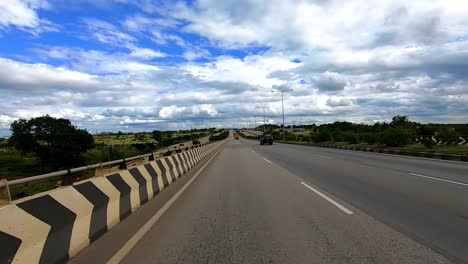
(282, 91)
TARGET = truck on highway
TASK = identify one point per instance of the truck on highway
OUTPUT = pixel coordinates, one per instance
(236, 135)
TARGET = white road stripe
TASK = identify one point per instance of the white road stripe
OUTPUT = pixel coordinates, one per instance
(438, 179)
(253, 151)
(267, 160)
(146, 227)
(344, 209)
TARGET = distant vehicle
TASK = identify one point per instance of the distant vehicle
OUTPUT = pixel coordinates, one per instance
(266, 139)
(236, 135)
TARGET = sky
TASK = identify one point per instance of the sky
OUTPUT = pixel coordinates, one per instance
(140, 65)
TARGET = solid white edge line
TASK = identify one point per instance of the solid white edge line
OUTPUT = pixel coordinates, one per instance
(146, 227)
(267, 160)
(344, 209)
(438, 179)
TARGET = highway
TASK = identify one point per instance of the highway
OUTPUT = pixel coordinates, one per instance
(298, 204)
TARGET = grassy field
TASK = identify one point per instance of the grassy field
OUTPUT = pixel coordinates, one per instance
(125, 139)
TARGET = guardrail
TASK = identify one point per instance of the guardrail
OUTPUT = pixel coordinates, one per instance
(67, 175)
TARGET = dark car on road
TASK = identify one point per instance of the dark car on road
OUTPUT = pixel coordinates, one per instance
(266, 139)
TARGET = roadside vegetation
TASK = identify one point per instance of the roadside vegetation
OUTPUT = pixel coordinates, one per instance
(400, 133)
(46, 144)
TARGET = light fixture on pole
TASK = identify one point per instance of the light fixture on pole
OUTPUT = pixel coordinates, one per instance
(282, 91)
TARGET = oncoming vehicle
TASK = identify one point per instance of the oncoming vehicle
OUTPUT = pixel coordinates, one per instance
(266, 139)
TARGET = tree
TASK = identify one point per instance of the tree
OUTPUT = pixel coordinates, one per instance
(401, 122)
(157, 135)
(55, 141)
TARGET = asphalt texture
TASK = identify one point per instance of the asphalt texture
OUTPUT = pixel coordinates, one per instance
(431, 211)
(250, 205)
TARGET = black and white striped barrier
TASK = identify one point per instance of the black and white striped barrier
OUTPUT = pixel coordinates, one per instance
(53, 226)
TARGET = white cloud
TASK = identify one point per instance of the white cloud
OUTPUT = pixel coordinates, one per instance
(146, 54)
(23, 15)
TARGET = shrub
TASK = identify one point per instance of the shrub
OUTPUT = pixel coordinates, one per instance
(350, 137)
(447, 135)
(322, 136)
(395, 137)
(370, 138)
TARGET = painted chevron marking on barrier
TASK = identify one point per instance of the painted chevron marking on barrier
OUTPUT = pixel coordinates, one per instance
(98, 224)
(33, 234)
(74, 201)
(134, 189)
(62, 222)
(174, 169)
(154, 178)
(181, 164)
(60, 219)
(142, 190)
(125, 204)
(176, 166)
(168, 170)
(10, 246)
(160, 175)
(185, 161)
(197, 150)
(149, 181)
(187, 157)
(113, 207)
(163, 173)
(192, 159)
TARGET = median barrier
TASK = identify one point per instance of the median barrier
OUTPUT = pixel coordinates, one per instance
(54, 226)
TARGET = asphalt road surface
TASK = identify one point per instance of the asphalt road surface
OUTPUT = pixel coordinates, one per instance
(297, 204)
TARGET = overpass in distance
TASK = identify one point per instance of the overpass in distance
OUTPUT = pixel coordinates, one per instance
(248, 203)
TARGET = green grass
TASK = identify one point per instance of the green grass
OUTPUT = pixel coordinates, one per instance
(13, 165)
(445, 149)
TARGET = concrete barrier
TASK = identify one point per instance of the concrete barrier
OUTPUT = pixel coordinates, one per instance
(54, 226)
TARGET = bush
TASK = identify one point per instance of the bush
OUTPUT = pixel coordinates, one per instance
(395, 137)
(220, 136)
(370, 138)
(428, 142)
(322, 136)
(447, 135)
(350, 137)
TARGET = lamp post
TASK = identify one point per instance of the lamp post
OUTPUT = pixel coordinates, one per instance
(282, 91)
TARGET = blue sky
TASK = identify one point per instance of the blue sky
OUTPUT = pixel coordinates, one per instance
(111, 65)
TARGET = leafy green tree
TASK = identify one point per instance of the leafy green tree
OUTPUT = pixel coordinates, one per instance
(55, 141)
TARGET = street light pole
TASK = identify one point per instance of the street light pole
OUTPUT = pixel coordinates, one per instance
(282, 91)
